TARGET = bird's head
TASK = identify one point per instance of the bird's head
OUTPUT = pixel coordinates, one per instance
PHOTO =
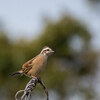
(47, 51)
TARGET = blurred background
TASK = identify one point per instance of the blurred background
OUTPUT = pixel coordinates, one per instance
(70, 27)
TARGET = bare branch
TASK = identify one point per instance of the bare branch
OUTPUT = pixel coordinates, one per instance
(44, 87)
(29, 88)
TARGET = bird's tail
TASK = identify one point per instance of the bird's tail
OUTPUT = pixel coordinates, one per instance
(16, 73)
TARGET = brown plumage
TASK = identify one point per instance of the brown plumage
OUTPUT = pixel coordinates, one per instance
(34, 66)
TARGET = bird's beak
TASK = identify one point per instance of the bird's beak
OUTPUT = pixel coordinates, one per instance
(53, 51)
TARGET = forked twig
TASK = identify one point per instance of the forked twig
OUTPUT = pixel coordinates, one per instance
(29, 88)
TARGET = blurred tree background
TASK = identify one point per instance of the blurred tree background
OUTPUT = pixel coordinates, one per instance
(69, 71)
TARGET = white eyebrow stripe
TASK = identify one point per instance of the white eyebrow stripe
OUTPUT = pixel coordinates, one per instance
(45, 49)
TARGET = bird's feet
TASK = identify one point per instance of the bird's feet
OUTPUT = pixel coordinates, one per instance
(33, 77)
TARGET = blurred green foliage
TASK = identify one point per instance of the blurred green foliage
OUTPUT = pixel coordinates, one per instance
(73, 59)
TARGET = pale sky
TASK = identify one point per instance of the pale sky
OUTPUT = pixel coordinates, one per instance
(24, 18)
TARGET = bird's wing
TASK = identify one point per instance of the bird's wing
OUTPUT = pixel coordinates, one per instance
(28, 65)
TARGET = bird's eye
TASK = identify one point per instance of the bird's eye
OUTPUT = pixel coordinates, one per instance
(47, 49)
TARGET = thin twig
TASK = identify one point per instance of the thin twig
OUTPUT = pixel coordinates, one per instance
(44, 87)
(29, 88)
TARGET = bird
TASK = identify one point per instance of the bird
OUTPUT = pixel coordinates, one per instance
(36, 65)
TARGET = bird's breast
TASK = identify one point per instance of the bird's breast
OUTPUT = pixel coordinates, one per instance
(40, 61)
(39, 64)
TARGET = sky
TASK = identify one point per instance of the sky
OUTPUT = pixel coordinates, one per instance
(24, 18)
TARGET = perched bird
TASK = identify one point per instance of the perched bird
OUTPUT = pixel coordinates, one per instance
(34, 66)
